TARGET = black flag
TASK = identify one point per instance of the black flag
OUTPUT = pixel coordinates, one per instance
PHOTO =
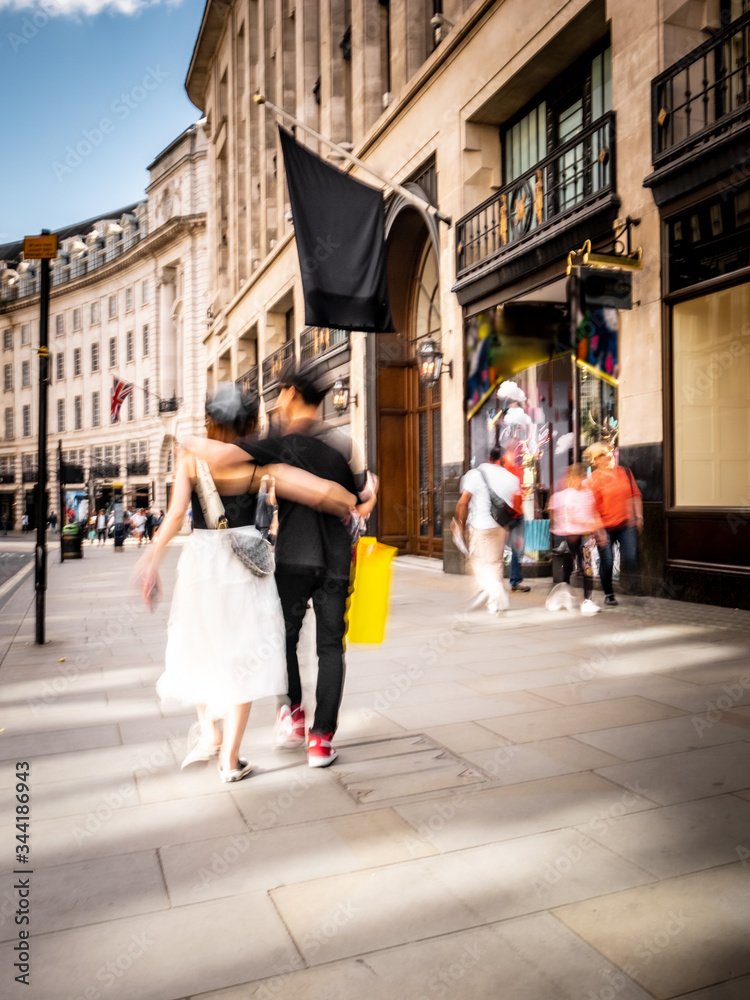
(339, 226)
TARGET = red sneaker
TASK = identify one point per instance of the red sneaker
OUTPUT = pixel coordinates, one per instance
(320, 752)
(289, 731)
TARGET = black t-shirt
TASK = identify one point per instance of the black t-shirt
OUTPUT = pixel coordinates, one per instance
(308, 539)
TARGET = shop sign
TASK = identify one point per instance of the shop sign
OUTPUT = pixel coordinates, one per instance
(605, 288)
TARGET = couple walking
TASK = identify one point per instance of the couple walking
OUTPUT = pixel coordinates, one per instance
(232, 636)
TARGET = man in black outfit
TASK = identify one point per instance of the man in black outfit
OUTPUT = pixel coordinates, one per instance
(313, 563)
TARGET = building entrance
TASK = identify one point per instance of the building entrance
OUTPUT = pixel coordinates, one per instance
(409, 432)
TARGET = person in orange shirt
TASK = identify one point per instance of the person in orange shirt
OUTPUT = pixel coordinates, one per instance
(619, 505)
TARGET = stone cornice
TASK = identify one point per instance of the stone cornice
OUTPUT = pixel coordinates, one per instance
(185, 225)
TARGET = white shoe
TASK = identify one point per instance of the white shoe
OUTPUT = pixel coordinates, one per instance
(589, 608)
(560, 598)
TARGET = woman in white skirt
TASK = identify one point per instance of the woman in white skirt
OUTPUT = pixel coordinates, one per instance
(226, 644)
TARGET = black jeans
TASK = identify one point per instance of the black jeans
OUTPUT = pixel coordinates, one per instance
(329, 604)
(575, 556)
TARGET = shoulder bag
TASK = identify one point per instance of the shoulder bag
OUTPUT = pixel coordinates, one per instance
(501, 512)
(254, 552)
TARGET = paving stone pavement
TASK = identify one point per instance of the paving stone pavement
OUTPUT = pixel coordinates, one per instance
(538, 806)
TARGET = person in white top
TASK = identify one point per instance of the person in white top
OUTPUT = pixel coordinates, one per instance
(486, 538)
(574, 518)
(101, 526)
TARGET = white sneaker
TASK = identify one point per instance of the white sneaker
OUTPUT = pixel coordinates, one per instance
(589, 608)
(559, 598)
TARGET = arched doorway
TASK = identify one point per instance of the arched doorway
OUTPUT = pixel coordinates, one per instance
(409, 437)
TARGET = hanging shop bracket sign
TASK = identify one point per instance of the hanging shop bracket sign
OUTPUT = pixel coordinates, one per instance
(603, 289)
(622, 262)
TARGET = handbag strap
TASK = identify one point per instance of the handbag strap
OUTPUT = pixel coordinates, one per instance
(208, 495)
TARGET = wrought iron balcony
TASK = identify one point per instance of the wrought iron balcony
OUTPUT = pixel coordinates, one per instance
(249, 381)
(72, 474)
(702, 95)
(105, 470)
(274, 364)
(7, 477)
(169, 405)
(318, 340)
(579, 172)
(138, 468)
(29, 475)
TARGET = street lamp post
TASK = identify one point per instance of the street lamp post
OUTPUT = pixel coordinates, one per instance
(42, 248)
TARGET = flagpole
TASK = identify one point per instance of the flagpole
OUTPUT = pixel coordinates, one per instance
(413, 199)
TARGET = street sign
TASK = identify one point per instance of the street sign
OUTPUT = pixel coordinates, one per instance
(40, 247)
(605, 288)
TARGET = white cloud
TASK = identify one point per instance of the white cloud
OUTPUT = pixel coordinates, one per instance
(40, 10)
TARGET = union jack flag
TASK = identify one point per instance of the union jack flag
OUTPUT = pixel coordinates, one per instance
(120, 392)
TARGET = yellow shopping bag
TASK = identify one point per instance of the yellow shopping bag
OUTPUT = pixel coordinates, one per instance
(368, 605)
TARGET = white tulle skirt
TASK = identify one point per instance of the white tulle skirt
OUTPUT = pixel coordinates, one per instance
(225, 637)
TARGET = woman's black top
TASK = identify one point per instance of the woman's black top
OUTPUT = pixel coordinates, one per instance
(239, 510)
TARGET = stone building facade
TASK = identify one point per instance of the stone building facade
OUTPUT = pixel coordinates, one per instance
(127, 303)
(540, 130)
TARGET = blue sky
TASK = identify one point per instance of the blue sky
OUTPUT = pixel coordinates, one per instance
(102, 78)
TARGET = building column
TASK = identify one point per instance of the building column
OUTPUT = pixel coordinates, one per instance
(167, 334)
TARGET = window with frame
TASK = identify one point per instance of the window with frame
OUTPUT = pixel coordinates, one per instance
(77, 370)
(548, 185)
(710, 378)
(60, 416)
(26, 417)
(59, 366)
(59, 326)
(95, 357)
(25, 374)
(112, 351)
(145, 340)
(25, 337)
(78, 413)
(8, 423)
(94, 313)
(144, 292)
(146, 398)
(129, 346)
(7, 340)
(77, 319)
(128, 300)
(131, 406)
(95, 409)
(112, 306)
(8, 378)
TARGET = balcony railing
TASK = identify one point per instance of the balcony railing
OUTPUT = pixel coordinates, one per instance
(29, 475)
(274, 364)
(72, 473)
(138, 468)
(703, 94)
(170, 405)
(105, 470)
(318, 340)
(249, 381)
(580, 171)
(7, 477)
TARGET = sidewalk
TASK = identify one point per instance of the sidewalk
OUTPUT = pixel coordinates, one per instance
(533, 807)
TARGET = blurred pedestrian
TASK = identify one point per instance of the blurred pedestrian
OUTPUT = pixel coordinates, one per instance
(4, 521)
(619, 506)
(574, 520)
(101, 526)
(486, 537)
(226, 642)
(516, 539)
